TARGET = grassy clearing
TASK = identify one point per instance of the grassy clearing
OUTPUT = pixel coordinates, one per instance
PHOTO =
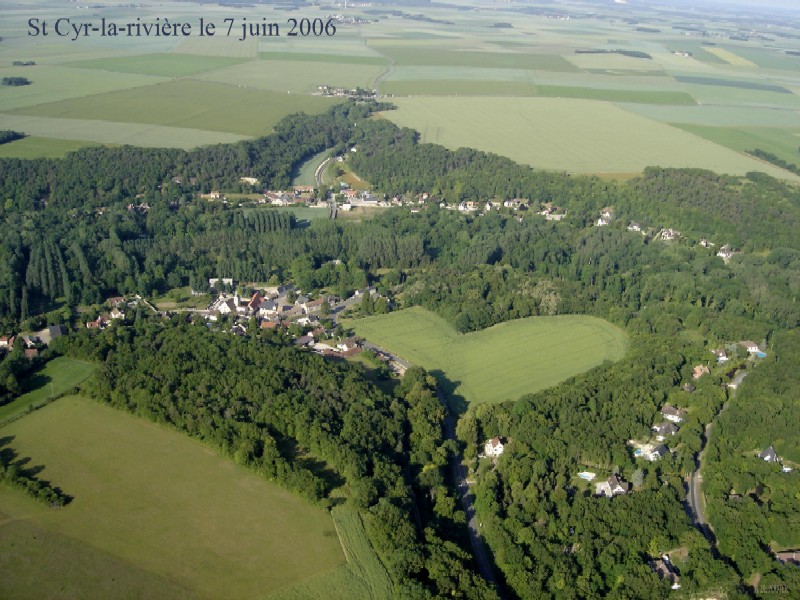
(187, 103)
(781, 142)
(57, 377)
(181, 298)
(41, 147)
(565, 134)
(216, 529)
(500, 363)
(305, 173)
(362, 578)
(162, 65)
(107, 132)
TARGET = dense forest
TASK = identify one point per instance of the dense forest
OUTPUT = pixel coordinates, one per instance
(104, 222)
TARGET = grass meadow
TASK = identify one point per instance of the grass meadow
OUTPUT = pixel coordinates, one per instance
(166, 513)
(784, 143)
(362, 578)
(57, 377)
(566, 134)
(503, 362)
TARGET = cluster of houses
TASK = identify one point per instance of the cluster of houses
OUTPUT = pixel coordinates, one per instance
(104, 320)
(32, 343)
(753, 350)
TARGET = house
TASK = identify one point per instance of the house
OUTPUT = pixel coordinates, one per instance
(688, 388)
(676, 415)
(725, 253)
(788, 557)
(613, 486)
(50, 333)
(116, 314)
(656, 453)
(602, 221)
(305, 340)
(227, 307)
(634, 226)
(116, 301)
(769, 455)
(100, 322)
(664, 429)
(255, 302)
(722, 356)
(347, 345)
(706, 244)
(239, 330)
(700, 370)
(668, 235)
(751, 347)
(313, 305)
(267, 324)
(493, 447)
(665, 570)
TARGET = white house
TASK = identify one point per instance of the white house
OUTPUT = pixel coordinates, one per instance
(613, 486)
(751, 347)
(657, 452)
(493, 447)
(676, 415)
(769, 455)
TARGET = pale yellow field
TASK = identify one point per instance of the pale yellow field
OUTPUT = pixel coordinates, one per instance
(729, 57)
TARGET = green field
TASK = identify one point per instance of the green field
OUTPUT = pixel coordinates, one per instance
(416, 55)
(362, 578)
(58, 376)
(305, 174)
(152, 510)
(163, 65)
(40, 147)
(566, 134)
(109, 132)
(784, 143)
(187, 103)
(500, 363)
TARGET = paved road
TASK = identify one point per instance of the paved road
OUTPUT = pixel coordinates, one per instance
(695, 501)
(459, 473)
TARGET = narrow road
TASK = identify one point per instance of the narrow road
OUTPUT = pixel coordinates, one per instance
(459, 473)
(695, 501)
(320, 170)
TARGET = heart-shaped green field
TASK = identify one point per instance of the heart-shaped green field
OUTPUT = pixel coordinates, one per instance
(503, 362)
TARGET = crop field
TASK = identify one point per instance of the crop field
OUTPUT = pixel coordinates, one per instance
(216, 530)
(565, 134)
(729, 57)
(108, 132)
(186, 103)
(301, 77)
(51, 84)
(44, 147)
(57, 377)
(503, 362)
(163, 65)
(784, 143)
